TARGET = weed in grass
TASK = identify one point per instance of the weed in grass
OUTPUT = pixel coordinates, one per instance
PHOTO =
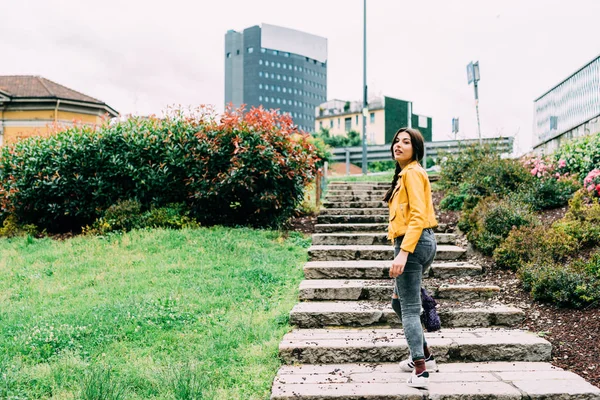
(186, 382)
(99, 383)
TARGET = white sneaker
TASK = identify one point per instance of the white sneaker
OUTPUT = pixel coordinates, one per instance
(409, 366)
(419, 381)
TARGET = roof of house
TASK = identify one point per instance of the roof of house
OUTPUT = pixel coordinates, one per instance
(29, 86)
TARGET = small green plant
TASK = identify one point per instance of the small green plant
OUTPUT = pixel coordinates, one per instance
(99, 383)
(492, 220)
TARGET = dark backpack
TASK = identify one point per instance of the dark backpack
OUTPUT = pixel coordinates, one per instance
(430, 317)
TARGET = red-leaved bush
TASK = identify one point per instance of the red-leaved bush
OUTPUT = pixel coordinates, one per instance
(238, 168)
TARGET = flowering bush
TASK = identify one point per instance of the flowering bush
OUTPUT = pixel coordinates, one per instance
(592, 182)
(240, 168)
(545, 167)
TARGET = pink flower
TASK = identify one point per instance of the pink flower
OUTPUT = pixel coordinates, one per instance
(562, 163)
(534, 171)
(590, 188)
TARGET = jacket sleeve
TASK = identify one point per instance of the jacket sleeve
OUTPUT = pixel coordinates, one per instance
(415, 189)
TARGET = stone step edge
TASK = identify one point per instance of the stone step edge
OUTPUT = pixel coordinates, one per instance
(357, 289)
(325, 346)
(518, 380)
(310, 314)
(373, 269)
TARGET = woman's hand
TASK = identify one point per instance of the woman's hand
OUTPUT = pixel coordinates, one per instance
(398, 264)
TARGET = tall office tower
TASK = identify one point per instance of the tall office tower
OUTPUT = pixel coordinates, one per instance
(278, 68)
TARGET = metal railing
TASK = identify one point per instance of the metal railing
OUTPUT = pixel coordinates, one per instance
(432, 149)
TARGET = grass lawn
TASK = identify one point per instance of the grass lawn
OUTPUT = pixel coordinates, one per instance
(156, 314)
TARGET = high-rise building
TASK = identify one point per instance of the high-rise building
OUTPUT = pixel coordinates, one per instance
(278, 68)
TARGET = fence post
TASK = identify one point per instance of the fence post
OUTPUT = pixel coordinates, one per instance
(425, 155)
(347, 161)
(318, 188)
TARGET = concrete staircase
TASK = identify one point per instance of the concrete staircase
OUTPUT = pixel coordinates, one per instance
(348, 340)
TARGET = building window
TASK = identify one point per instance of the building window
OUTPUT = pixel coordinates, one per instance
(260, 73)
(295, 68)
(228, 55)
(348, 124)
(299, 80)
(339, 123)
(278, 65)
(278, 100)
(331, 123)
(259, 98)
(284, 90)
(321, 124)
(275, 52)
(278, 76)
(300, 69)
(272, 76)
(284, 66)
(357, 120)
(250, 50)
(260, 85)
(284, 78)
(272, 99)
(263, 50)
(372, 118)
(259, 62)
(286, 54)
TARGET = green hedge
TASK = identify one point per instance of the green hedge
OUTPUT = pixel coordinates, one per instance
(242, 168)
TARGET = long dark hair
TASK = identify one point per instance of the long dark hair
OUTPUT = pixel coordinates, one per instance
(418, 145)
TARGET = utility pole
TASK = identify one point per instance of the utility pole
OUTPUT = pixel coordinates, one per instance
(365, 104)
(473, 76)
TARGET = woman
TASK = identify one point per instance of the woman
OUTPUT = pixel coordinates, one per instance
(411, 219)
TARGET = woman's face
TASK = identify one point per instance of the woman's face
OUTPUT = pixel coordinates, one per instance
(403, 150)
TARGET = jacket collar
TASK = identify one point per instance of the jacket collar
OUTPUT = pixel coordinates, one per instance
(411, 165)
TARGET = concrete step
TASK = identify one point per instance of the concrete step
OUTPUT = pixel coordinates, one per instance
(454, 381)
(354, 211)
(357, 252)
(381, 289)
(353, 219)
(366, 239)
(356, 192)
(358, 185)
(348, 198)
(318, 314)
(354, 204)
(369, 269)
(329, 228)
(333, 346)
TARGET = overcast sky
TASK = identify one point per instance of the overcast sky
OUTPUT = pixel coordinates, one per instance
(141, 56)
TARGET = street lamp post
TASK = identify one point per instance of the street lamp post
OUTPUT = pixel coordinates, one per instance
(365, 105)
(473, 76)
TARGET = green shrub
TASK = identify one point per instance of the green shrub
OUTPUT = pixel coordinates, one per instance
(565, 285)
(486, 176)
(11, 228)
(453, 201)
(127, 215)
(534, 243)
(456, 167)
(492, 220)
(549, 192)
(244, 169)
(579, 156)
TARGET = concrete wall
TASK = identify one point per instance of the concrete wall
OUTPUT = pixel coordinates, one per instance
(588, 128)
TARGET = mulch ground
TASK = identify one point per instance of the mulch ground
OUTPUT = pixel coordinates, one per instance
(574, 334)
